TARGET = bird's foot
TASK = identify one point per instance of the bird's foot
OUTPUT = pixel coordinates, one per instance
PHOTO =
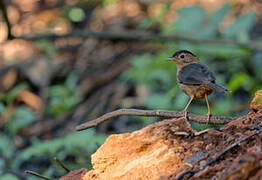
(186, 114)
(192, 133)
(201, 132)
(208, 117)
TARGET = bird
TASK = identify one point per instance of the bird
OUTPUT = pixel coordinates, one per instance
(195, 79)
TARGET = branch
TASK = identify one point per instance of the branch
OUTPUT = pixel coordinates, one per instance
(156, 113)
(141, 36)
(61, 164)
(36, 174)
(192, 172)
(4, 11)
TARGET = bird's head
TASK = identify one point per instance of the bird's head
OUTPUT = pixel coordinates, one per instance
(183, 57)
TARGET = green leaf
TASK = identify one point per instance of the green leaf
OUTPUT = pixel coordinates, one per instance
(181, 100)
(217, 17)
(73, 143)
(63, 97)
(10, 97)
(2, 165)
(158, 101)
(240, 80)
(241, 26)
(160, 75)
(146, 23)
(140, 69)
(2, 108)
(71, 81)
(8, 177)
(200, 127)
(47, 46)
(21, 118)
(109, 2)
(222, 50)
(58, 91)
(222, 107)
(7, 147)
(190, 20)
(60, 105)
(76, 14)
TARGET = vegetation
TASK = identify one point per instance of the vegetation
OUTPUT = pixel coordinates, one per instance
(69, 86)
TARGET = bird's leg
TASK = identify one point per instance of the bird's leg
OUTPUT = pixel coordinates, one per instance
(186, 108)
(208, 109)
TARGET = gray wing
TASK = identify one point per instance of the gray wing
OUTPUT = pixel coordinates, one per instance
(195, 74)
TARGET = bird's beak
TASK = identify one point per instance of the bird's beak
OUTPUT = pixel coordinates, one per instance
(170, 59)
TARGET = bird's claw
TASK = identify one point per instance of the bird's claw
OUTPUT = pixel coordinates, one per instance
(201, 132)
(208, 117)
(186, 115)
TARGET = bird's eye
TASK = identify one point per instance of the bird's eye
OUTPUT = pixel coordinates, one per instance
(182, 56)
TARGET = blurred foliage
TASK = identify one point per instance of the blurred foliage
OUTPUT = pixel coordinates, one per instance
(74, 149)
(69, 148)
(108, 2)
(229, 63)
(63, 97)
(21, 118)
(76, 14)
(9, 97)
(62, 147)
(8, 177)
(46, 46)
(70, 145)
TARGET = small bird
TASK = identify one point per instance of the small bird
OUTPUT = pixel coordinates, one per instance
(194, 78)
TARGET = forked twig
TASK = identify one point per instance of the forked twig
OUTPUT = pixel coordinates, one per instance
(192, 172)
(155, 113)
(61, 164)
(36, 174)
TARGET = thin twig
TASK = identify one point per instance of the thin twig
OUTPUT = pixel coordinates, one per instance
(61, 164)
(192, 172)
(156, 113)
(4, 12)
(141, 36)
(36, 174)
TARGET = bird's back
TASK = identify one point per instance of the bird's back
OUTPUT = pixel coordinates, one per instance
(195, 74)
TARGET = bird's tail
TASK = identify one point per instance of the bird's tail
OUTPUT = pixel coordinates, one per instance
(218, 88)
